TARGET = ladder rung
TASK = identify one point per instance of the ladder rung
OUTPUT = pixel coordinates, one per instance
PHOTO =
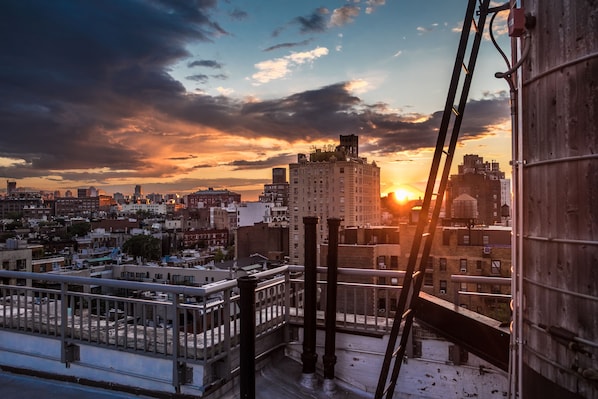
(387, 388)
(407, 313)
(464, 68)
(426, 235)
(475, 25)
(455, 111)
(394, 354)
(415, 274)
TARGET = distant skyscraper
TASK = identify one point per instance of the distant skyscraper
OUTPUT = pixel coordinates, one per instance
(277, 192)
(11, 187)
(279, 175)
(138, 192)
(335, 183)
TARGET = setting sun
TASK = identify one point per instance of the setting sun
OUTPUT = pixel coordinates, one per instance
(403, 195)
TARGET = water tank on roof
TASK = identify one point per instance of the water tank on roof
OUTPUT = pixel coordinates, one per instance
(465, 207)
(557, 206)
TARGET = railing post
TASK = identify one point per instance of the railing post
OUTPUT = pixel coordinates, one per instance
(64, 303)
(287, 304)
(176, 366)
(247, 285)
(309, 355)
(226, 318)
(329, 358)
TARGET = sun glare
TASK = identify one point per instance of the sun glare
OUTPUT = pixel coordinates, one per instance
(402, 195)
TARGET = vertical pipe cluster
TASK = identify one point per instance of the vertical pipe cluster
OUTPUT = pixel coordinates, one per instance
(247, 285)
(309, 355)
(329, 358)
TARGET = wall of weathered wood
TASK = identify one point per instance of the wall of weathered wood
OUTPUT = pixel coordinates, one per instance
(560, 199)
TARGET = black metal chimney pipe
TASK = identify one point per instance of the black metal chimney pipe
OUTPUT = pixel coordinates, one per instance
(329, 358)
(247, 285)
(309, 355)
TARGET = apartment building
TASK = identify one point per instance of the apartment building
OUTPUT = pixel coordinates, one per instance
(332, 182)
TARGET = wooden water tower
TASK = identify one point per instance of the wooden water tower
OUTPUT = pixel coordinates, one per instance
(556, 191)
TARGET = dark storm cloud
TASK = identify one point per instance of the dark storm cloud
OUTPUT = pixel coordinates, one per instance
(396, 134)
(205, 63)
(282, 159)
(201, 78)
(80, 81)
(288, 45)
(72, 71)
(238, 14)
(315, 22)
(190, 156)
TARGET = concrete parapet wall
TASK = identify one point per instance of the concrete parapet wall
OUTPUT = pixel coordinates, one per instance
(108, 368)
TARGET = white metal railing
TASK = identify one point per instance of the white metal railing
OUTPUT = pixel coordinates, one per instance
(190, 324)
(140, 317)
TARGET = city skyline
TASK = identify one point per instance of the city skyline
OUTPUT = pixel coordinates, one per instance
(178, 98)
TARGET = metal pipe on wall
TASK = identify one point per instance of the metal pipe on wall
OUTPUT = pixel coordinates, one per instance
(247, 285)
(309, 355)
(332, 277)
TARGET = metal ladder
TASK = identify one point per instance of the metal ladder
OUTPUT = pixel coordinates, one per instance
(413, 279)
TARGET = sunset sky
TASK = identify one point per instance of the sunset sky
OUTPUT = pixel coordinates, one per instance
(181, 95)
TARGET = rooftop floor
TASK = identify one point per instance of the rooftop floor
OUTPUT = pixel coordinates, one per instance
(278, 379)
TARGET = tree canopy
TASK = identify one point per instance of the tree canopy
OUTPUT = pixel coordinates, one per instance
(147, 247)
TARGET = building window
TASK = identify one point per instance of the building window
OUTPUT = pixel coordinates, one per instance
(430, 264)
(382, 280)
(478, 264)
(442, 264)
(429, 279)
(394, 262)
(381, 262)
(463, 287)
(443, 287)
(463, 264)
(21, 264)
(466, 239)
(485, 240)
(495, 266)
